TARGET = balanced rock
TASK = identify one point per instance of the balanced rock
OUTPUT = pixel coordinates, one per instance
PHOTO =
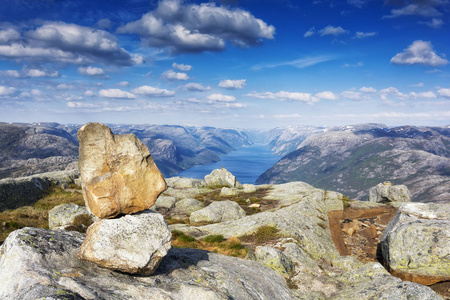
(118, 173)
(416, 243)
(133, 244)
(386, 192)
(219, 211)
(221, 177)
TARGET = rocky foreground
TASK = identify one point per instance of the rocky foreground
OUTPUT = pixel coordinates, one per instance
(302, 262)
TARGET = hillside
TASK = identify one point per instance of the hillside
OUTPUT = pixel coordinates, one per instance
(27, 149)
(352, 159)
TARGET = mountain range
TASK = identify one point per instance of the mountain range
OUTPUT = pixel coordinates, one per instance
(348, 159)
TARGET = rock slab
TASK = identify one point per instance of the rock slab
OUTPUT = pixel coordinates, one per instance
(118, 173)
(38, 263)
(132, 244)
(219, 211)
(385, 192)
(416, 243)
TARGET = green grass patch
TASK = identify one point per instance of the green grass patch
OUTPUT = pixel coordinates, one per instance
(262, 235)
(215, 238)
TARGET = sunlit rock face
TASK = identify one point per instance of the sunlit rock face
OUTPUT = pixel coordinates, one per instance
(117, 172)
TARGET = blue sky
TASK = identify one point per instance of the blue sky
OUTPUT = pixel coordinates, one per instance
(235, 63)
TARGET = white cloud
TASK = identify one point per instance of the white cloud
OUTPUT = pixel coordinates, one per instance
(434, 23)
(423, 95)
(104, 23)
(331, 30)
(327, 95)
(420, 84)
(116, 93)
(357, 65)
(153, 92)
(9, 34)
(221, 98)
(298, 63)
(352, 95)
(172, 75)
(40, 73)
(310, 32)
(89, 93)
(415, 9)
(285, 96)
(123, 83)
(419, 52)
(363, 35)
(287, 116)
(196, 87)
(6, 91)
(92, 71)
(232, 84)
(181, 67)
(10, 73)
(65, 43)
(444, 92)
(64, 86)
(384, 93)
(367, 90)
(183, 27)
(37, 93)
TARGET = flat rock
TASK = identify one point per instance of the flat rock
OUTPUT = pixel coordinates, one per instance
(117, 172)
(39, 263)
(385, 192)
(221, 177)
(133, 244)
(416, 243)
(219, 211)
(63, 216)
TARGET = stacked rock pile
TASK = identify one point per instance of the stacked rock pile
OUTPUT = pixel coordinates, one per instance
(120, 183)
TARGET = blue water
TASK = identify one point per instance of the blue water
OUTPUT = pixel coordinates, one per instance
(245, 163)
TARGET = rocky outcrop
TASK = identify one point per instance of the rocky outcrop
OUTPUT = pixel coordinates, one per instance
(17, 192)
(275, 259)
(221, 177)
(117, 172)
(69, 216)
(416, 243)
(38, 264)
(386, 192)
(133, 244)
(217, 212)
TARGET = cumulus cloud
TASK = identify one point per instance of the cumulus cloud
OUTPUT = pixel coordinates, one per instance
(352, 95)
(116, 93)
(362, 35)
(181, 67)
(10, 73)
(327, 95)
(123, 83)
(221, 98)
(153, 92)
(196, 87)
(285, 96)
(64, 43)
(92, 71)
(6, 91)
(40, 73)
(331, 30)
(444, 93)
(367, 90)
(172, 75)
(183, 27)
(64, 86)
(423, 95)
(419, 52)
(232, 84)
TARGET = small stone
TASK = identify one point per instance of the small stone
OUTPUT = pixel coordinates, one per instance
(220, 177)
(255, 205)
(228, 192)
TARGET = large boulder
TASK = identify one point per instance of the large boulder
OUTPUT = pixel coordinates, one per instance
(133, 244)
(117, 172)
(69, 216)
(43, 264)
(416, 243)
(219, 211)
(385, 192)
(221, 177)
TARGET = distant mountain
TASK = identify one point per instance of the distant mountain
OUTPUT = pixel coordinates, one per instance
(283, 140)
(351, 159)
(27, 149)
